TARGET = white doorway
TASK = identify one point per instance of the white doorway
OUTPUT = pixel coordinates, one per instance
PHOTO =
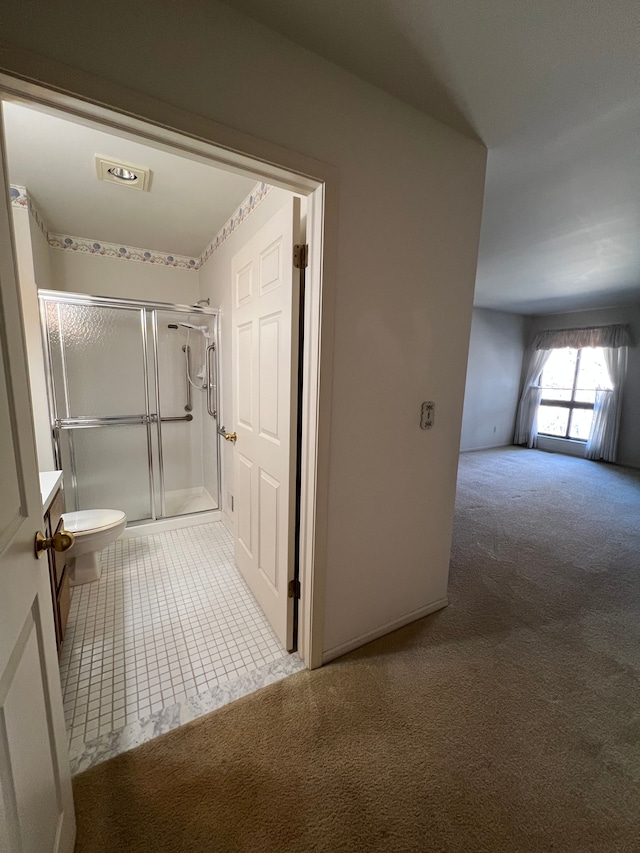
(301, 516)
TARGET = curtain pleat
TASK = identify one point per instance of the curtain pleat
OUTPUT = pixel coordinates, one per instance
(527, 418)
(607, 411)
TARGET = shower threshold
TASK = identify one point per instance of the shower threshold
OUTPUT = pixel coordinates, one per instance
(184, 501)
(185, 508)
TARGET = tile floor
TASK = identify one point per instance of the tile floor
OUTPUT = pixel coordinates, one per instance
(170, 619)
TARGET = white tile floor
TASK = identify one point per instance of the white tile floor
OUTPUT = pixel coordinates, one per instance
(170, 618)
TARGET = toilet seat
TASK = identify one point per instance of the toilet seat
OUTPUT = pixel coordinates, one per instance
(91, 520)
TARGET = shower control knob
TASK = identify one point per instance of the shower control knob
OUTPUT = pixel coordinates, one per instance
(230, 436)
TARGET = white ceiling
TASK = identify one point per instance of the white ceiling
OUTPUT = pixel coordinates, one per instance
(54, 159)
(552, 89)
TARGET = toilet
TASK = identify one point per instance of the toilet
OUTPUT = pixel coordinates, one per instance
(93, 530)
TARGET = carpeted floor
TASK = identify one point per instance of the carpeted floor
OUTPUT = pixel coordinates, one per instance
(510, 721)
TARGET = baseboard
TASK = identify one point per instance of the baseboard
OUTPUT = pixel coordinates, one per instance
(485, 447)
(228, 523)
(146, 528)
(363, 639)
(561, 445)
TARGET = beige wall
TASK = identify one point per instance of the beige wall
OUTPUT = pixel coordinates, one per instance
(492, 390)
(32, 253)
(409, 199)
(99, 276)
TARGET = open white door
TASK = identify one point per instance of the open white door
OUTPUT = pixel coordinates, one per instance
(36, 804)
(266, 300)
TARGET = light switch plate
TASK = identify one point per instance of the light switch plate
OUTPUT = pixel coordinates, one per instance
(427, 414)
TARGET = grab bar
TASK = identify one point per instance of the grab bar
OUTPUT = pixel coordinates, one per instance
(183, 418)
(89, 423)
(154, 419)
(187, 366)
(125, 420)
(212, 386)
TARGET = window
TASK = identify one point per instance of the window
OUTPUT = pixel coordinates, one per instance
(569, 383)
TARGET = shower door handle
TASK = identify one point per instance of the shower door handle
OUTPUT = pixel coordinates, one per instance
(212, 381)
(187, 364)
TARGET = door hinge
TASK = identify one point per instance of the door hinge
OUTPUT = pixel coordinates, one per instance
(300, 255)
(294, 589)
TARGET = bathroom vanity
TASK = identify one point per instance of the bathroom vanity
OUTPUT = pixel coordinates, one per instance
(52, 508)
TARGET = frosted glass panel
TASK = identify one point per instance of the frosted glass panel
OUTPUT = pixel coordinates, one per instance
(98, 364)
(111, 466)
(188, 447)
(102, 348)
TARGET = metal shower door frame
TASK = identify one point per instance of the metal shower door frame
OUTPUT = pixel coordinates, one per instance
(148, 316)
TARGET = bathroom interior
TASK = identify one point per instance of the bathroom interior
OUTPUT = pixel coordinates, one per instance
(124, 250)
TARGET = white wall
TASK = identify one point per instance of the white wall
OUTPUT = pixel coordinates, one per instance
(629, 443)
(100, 276)
(33, 271)
(215, 283)
(491, 395)
(409, 200)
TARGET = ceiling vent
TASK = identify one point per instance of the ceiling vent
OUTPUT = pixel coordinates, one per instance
(124, 174)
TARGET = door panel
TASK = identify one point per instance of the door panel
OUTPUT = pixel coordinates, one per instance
(27, 733)
(271, 267)
(10, 505)
(244, 285)
(265, 352)
(269, 375)
(36, 811)
(244, 503)
(269, 499)
(244, 383)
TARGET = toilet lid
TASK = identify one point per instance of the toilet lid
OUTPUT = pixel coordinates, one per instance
(90, 520)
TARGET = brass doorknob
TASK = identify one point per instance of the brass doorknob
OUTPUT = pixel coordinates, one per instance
(60, 541)
(230, 436)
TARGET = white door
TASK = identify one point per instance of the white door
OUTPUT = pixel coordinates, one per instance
(265, 300)
(36, 804)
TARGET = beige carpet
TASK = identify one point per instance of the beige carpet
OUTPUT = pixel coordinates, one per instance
(508, 722)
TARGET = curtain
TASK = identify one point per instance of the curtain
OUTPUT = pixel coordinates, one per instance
(605, 427)
(527, 418)
(615, 335)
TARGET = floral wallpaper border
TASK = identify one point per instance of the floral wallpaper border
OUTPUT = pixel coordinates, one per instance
(21, 198)
(18, 195)
(84, 245)
(257, 195)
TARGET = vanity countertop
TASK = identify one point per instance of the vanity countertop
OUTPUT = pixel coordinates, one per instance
(49, 484)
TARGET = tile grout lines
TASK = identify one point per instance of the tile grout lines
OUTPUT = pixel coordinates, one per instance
(170, 618)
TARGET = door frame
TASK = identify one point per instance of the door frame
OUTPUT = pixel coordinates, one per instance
(32, 79)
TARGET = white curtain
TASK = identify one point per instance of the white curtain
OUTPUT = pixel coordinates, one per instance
(605, 427)
(527, 418)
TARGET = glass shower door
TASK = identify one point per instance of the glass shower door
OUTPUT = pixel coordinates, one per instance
(100, 399)
(184, 361)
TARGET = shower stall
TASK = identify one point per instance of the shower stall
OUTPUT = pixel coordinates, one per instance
(133, 398)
